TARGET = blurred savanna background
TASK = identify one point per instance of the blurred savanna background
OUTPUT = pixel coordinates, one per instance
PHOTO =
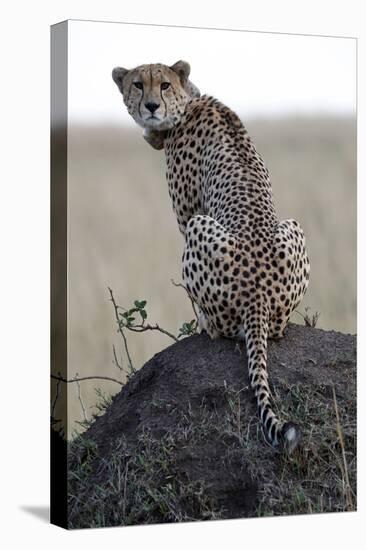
(295, 95)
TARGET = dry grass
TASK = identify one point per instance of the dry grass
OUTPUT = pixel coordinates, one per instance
(314, 480)
(123, 233)
(146, 483)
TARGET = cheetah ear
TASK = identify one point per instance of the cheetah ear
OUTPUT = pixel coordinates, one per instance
(182, 69)
(118, 75)
(192, 89)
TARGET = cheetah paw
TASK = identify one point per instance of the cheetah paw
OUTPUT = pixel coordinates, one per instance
(291, 436)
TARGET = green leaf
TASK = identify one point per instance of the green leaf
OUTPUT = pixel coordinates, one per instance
(140, 305)
(188, 328)
(130, 321)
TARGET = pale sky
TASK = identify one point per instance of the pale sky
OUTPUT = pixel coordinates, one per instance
(256, 74)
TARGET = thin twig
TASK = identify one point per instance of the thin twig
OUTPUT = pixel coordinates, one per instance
(116, 360)
(309, 321)
(132, 368)
(345, 468)
(144, 328)
(192, 301)
(62, 379)
(120, 330)
(56, 398)
(125, 490)
(81, 401)
(239, 421)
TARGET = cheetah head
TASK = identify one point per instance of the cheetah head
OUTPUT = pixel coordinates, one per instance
(156, 95)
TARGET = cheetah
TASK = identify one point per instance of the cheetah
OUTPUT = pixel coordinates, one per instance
(244, 268)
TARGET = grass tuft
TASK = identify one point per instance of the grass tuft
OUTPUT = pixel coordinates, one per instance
(214, 464)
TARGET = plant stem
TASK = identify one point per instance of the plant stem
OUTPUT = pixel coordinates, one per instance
(120, 330)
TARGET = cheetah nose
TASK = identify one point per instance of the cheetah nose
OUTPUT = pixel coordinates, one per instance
(152, 107)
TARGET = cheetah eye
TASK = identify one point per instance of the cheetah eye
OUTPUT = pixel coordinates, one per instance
(138, 85)
(165, 85)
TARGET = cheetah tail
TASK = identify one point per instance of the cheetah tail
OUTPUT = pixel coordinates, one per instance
(276, 433)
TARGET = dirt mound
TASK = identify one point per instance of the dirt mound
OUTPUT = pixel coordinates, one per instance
(181, 441)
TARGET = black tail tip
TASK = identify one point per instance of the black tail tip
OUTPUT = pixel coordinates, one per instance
(291, 436)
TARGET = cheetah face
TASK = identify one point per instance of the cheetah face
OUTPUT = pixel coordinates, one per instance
(155, 95)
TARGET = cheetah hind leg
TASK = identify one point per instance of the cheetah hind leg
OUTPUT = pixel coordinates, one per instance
(294, 267)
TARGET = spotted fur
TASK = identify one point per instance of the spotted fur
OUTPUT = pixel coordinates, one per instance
(245, 269)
